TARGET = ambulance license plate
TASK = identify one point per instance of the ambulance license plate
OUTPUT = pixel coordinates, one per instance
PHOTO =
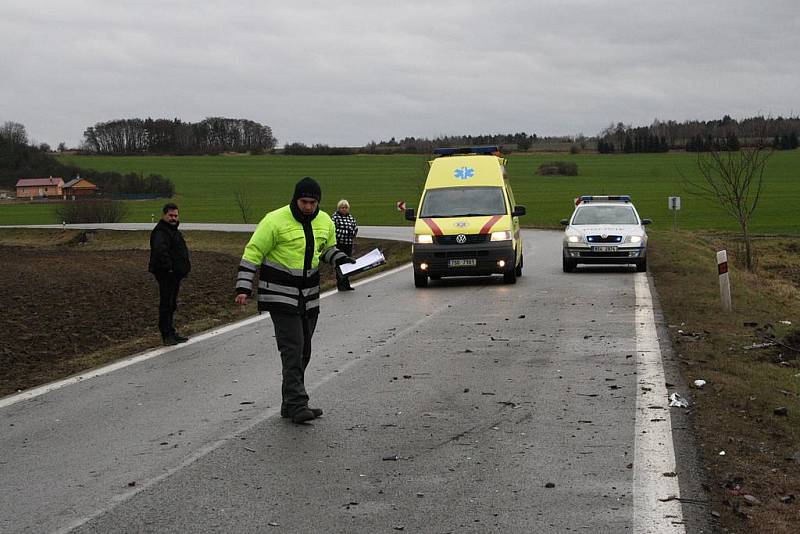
(470, 262)
(604, 249)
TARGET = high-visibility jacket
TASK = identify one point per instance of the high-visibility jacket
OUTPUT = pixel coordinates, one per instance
(288, 253)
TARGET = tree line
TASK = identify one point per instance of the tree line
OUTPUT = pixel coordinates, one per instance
(723, 134)
(212, 135)
(423, 145)
(18, 159)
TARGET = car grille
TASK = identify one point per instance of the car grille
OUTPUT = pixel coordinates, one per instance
(451, 239)
(617, 254)
(601, 239)
(461, 254)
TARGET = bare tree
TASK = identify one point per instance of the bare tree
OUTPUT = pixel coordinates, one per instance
(240, 194)
(735, 180)
(13, 133)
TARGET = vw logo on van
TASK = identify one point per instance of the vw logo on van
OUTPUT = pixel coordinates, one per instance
(461, 239)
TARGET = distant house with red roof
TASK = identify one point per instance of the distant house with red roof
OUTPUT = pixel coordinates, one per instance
(39, 187)
(78, 187)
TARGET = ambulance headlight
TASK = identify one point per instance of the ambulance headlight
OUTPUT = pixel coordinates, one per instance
(501, 236)
(636, 239)
(573, 238)
(423, 239)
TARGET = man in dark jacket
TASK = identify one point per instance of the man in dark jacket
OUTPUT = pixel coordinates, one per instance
(169, 263)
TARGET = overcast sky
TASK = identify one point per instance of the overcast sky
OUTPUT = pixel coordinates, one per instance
(348, 72)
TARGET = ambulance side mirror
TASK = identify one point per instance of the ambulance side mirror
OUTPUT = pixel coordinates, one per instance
(565, 222)
(410, 215)
(518, 211)
(647, 221)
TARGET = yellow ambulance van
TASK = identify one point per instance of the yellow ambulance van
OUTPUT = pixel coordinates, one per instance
(467, 224)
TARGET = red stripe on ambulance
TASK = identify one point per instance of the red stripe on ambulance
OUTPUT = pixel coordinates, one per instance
(491, 222)
(433, 226)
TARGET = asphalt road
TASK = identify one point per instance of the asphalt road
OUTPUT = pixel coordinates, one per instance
(469, 406)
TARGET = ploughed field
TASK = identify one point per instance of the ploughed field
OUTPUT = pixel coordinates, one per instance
(61, 306)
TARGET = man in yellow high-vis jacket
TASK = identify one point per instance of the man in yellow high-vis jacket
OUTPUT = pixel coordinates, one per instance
(287, 247)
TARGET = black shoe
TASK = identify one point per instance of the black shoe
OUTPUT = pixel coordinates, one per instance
(302, 415)
(346, 288)
(181, 339)
(316, 411)
(170, 341)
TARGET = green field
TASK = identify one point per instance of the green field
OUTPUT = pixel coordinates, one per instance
(373, 184)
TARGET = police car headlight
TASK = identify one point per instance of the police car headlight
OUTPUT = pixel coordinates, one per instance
(501, 236)
(423, 238)
(636, 239)
(573, 238)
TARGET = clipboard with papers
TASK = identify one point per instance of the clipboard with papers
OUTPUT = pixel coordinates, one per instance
(368, 261)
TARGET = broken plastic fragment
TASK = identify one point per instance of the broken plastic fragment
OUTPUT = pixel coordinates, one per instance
(677, 400)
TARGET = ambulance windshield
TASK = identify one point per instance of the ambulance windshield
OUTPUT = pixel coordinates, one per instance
(463, 202)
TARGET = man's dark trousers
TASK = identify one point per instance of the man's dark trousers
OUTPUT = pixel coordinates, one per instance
(168, 287)
(293, 334)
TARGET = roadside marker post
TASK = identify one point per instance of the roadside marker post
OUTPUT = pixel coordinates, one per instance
(724, 280)
(675, 206)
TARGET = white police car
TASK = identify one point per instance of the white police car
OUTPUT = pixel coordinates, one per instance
(604, 230)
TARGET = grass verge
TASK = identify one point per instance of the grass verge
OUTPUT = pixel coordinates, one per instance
(750, 407)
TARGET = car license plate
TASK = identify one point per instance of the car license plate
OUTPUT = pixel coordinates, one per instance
(471, 262)
(604, 249)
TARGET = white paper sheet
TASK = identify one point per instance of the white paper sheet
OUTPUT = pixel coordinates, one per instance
(366, 262)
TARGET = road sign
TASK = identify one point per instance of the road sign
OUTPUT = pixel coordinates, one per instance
(674, 204)
(401, 206)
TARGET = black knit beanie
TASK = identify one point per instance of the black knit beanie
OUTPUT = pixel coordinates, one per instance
(305, 188)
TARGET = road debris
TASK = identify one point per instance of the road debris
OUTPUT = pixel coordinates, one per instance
(390, 458)
(699, 383)
(781, 411)
(759, 345)
(550, 485)
(677, 400)
(751, 500)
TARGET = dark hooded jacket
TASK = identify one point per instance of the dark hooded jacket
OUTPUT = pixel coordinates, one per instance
(168, 251)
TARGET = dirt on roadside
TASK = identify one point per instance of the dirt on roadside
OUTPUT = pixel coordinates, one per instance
(64, 304)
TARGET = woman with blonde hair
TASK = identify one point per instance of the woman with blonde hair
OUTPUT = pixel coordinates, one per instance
(346, 230)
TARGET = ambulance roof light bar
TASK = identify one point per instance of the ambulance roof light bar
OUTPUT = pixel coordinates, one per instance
(481, 150)
(603, 198)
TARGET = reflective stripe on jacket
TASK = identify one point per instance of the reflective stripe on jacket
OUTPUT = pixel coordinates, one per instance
(289, 269)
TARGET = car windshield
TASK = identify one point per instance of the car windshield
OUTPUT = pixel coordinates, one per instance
(463, 202)
(605, 215)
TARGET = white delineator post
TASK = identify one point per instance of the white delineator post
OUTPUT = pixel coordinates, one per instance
(724, 280)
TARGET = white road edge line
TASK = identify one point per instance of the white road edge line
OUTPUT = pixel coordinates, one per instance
(121, 364)
(654, 453)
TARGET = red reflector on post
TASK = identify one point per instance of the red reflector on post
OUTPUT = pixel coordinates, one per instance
(723, 267)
